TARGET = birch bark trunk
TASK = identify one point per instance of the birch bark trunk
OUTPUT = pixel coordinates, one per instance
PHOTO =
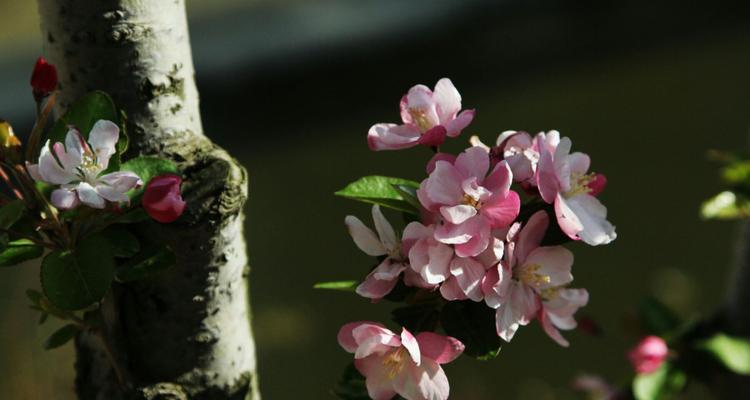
(186, 333)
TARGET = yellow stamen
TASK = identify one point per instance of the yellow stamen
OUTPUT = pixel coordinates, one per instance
(528, 275)
(393, 363)
(420, 118)
(579, 184)
(468, 200)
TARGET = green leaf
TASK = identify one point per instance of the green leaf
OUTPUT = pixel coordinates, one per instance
(346, 286)
(11, 213)
(133, 216)
(147, 167)
(725, 206)
(19, 251)
(121, 241)
(152, 260)
(409, 193)
(60, 337)
(732, 352)
(73, 280)
(473, 324)
(83, 114)
(380, 190)
(660, 384)
(656, 317)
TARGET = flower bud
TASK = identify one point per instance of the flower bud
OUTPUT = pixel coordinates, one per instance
(162, 199)
(43, 79)
(597, 184)
(648, 355)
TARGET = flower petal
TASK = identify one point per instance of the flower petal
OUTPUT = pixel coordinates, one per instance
(443, 186)
(554, 262)
(455, 126)
(468, 273)
(345, 337)
(373, 339)
(458, 214)
(103, 140)
(64, 199)
(379, 383)
(596, 230)
(424, 382)
(439, 348)
(50, 170)
(385, 230)
(531, 235)
(364, 237)
(88, 196)
(474, 162)
(447, 100)
(392, 137)
(499, 211)
(412, 346)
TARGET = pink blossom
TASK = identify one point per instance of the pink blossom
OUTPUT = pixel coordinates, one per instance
(466, 274)
(563, 180)
(427, 257)
(558, 306)
(384, 277)
(400, 364)
(528, 273)
(518, 150)
(78, 166)
(470, 202)
(428, 117)
(648, 355)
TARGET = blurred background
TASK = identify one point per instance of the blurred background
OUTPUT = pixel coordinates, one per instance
(291, 87)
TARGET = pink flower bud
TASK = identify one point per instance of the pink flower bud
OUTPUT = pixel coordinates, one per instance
(162, 199)
(43, 79)
(648, 355)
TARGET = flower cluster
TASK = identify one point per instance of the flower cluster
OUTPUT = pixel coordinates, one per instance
(489, 227)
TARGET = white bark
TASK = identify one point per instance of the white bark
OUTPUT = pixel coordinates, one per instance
(185, 333)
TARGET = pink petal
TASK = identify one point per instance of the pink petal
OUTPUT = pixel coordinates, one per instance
(496, 285)
(474, 162)
(345, 337)
(379, 383)
(374, 288)
(373, 339)
(388, 270)
(447, 100)
(546, 178)
(443, 186)
(434, 137)
(412, 346)
(493, 254)
(458, 214)
(431, 260)
(450, 158)
(439, 348)
(392, 137)
(364, 237)
(500, 179)
(458, 124)
(451, 291)
(468, 274)
(555, 262)
(531, 235)
(424, 382)
(567, 218)
(413, 233)
(420, 99)
(479, 227)
(551, 331)
(33, 170)
(103, 140)
(500, 212)
(75, 146)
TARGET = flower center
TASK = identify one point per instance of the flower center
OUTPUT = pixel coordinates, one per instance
(550, 293)
(89, 168)
(579, 184)
(528, 274)
(393, 363)
(471, 201)
(419, 116)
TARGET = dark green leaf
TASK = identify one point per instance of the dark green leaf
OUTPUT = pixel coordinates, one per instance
(380, 190)
(60, 337)
(19, 251)
(346, 286)
(133, 216)
(73, 280)
(660, 384)
(732, 352)
(121, 241)
(657, 318)
(147, 167)
(152, 260)
(473, 324)
(11, 213)
(409, 193)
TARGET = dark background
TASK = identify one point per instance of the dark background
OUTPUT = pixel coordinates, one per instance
(291, 87)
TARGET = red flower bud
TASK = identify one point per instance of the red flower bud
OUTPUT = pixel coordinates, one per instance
(648, 355)
(162, 199)
(43, 79)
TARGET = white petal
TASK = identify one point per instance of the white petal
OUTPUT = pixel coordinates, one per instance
(385, 230)
(593, 216)
(88, 195)
(103, 139)
(50, 170)
(447, 99)
(364, 237)
(458, 214)
(64, 199)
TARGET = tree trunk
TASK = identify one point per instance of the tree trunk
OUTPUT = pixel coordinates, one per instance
(184, 334)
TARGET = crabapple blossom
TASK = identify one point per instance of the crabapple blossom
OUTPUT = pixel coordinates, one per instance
(469, 202)
(517, 285)
(77, 166)
(518, 150)
(563, 180)
(466, 274)
(428, 258)
(385, 276)
(400, 364)
(428, 117)
(648, 355)
(162, 199)
(558, 306)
